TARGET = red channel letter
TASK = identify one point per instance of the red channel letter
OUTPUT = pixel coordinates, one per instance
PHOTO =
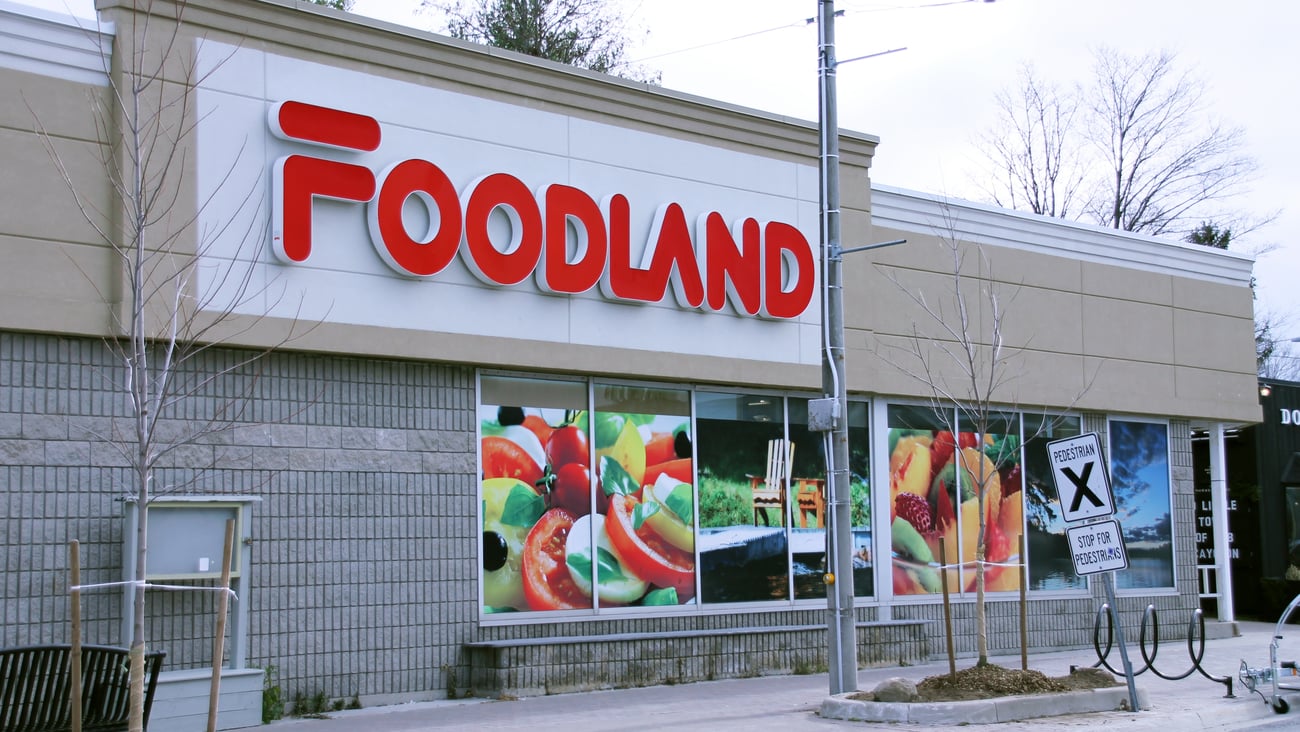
(431, 253)
(732, 271)
(780, 240)
(513, 264)
(559, 272)
(297, 179)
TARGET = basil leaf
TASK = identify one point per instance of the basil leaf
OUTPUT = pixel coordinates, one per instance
(642, 512)
(607, 565)
(523, 507)
(681, 502)
(665, 596)
(579, 565)
(614, 480)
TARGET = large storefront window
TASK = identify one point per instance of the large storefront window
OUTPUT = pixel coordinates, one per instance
(938, 482)
(1050, 565)
(531, 501)
(585, 509)
(645, 541)
(1139, 469)
(744, 548)
(763, 526)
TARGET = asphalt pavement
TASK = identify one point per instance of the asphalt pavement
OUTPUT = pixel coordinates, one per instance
(792, 702)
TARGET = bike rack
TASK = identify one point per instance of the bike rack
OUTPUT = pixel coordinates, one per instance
(1195, 634)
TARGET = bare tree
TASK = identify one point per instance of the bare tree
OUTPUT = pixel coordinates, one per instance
(1164, 157)
(1136, 149)
(586, 33)
(1038, 168)
(958, 350)
(1275, 356)
(164, 321)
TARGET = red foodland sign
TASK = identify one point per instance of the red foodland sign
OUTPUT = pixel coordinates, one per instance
(559, 235)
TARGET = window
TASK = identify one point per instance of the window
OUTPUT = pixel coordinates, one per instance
(1050, 565)
(1139, 470)
(939, 480)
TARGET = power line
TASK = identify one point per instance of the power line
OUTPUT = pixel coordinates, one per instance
(799, 24)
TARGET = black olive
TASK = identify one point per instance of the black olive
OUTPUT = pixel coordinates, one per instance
(495, 551)
(507, 416)
(682, 444)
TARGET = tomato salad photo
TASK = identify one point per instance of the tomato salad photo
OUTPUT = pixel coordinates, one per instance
(560, 535)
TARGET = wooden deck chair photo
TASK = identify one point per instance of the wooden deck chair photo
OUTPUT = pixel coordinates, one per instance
(770, 489)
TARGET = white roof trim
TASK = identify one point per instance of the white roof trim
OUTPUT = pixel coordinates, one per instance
(54, 44)
(930, 214)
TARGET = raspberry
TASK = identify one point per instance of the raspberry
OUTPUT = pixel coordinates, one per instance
(915, 510)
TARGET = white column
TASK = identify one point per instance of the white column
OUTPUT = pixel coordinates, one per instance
(1219, 497)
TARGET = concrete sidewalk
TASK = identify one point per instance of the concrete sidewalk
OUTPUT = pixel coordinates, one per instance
(791, 702)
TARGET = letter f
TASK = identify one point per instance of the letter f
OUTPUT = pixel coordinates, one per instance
(297, 179)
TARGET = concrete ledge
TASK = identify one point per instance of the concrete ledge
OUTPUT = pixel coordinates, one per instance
(982, 711)
(540, 665)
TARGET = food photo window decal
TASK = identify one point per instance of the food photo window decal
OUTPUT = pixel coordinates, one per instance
(1139, 474)
(987, 467)
(644, 523)
(922, 513)
(535, 484)
(938, 480)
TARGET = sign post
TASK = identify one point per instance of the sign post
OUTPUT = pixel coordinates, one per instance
(1096, 547)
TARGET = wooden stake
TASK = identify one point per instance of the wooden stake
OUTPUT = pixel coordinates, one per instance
(947, 610)
(74, 616)
(219, 643)
(1024, 606)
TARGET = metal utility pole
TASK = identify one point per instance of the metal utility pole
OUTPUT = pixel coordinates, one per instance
(842, 637)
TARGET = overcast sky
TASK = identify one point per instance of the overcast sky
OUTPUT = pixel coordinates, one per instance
(928, 103)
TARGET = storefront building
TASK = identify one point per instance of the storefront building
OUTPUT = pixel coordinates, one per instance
(538, 338)
(1263, 469)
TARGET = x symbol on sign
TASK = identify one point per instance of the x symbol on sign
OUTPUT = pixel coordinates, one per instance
(1081, 484)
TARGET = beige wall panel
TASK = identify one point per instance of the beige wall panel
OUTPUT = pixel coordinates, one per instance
(37, 201)
(855, 193)
(1212, 297)
(1033, 269)
(891, 306)
(1035, 379)
(1134, 387)
(1126, 329)
(61, 108)
(1040, 319)
(1229, 396)
(883, 365)
(1212, 341)
(1124, 283)
(47, 285)
(927, 252)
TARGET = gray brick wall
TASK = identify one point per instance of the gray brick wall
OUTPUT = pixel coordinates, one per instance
(362, 577)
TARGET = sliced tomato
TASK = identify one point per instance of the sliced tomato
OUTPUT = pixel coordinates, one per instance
(679, 469)
(504, 458)
(645, 553)
(547, 582)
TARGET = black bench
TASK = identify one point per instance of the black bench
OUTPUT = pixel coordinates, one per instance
(36, 684)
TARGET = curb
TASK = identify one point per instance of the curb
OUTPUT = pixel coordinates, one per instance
(982, 711)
